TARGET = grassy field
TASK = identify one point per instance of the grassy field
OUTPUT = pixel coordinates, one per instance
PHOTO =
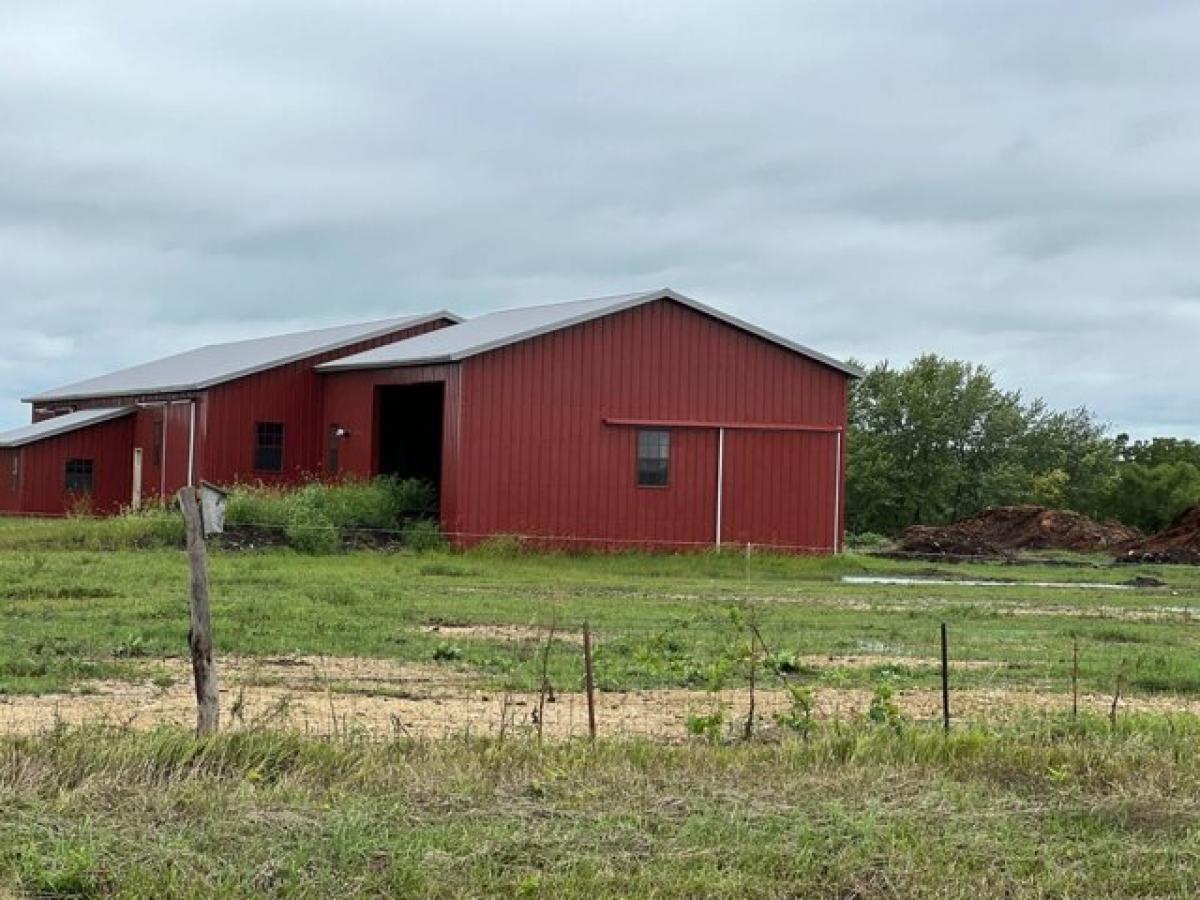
(72, 615)
(857, 802)
(857, 811)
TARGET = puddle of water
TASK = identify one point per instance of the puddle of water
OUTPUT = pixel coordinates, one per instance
(1089, 585)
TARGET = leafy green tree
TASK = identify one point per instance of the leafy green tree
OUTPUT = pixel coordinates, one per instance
(1158, 450)
(1077, 445)
(1149, 497)
(931, 443)
(940, 440)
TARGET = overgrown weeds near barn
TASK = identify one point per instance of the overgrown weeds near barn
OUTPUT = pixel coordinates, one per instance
(320, 517)
(854, 810)
(315, 518)
(151, 527)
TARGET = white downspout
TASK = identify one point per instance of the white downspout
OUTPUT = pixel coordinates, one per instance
(720, 481)
(837, 495)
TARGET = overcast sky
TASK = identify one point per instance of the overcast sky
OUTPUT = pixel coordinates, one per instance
(1016, 184)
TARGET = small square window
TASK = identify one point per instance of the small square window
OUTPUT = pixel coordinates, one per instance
(653, 458)
(158, 443)
(79, 476)
(268, 446)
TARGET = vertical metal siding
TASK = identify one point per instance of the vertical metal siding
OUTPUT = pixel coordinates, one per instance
(536, 457)
(291, 394)
(10, 494)
(224, 438)
(110, 447)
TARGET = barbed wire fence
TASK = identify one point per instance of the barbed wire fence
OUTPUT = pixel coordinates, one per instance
(744, 676)
(736, 677)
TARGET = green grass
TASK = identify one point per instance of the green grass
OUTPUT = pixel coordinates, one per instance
(1039, 807)
(1043, 809)
(72, 614)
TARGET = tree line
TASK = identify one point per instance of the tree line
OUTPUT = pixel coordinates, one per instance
(939, 440)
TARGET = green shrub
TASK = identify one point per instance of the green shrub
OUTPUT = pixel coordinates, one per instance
(308, 529)
(313, 518)
(355, 504)
(708, 726)
(446, 652)
(423, 535)
(783, 662)
(799, 716)
(884, 710)
(409, 497)
(316, 517)
(261, 506)
(867, 540)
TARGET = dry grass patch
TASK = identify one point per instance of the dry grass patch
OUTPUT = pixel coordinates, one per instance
(381, 698)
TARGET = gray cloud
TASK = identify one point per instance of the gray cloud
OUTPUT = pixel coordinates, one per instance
(1011, 183)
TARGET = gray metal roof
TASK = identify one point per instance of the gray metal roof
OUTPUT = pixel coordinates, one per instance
(49, 428)
(509, 326)
(206, 366)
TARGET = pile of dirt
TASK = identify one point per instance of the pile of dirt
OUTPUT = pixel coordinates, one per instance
(1002, 531)
(934, 541)
(1179, 543)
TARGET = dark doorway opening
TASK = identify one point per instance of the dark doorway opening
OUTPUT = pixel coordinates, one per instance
(410, 431)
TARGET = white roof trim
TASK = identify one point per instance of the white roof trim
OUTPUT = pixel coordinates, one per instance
(68, 393)
(620, 304)
(48, 428)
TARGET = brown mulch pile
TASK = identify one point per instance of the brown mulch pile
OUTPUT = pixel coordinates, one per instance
(1179, 543)
(1002, 531)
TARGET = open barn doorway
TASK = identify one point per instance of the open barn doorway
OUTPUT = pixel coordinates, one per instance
(410, 431)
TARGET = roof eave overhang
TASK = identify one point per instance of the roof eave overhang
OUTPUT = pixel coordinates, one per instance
(251, 370)
(682, 299)
(331, 368)
(630, 303)
(118, 413)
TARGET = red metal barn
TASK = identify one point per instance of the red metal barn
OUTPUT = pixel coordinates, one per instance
(642, 420)
(639, 420)
(246, 411)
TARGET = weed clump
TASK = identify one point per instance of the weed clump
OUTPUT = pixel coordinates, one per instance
(320, 518)
(708, 726)
(447, 652)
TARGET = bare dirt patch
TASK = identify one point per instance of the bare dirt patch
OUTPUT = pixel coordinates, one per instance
(516, 633)
(868, 661)
(1155, 613)
(378, 698)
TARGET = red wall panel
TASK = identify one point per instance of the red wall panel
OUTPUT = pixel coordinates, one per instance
(538, 458)
(110, 447)
(293, 395)
(10, 480)
(781, 488)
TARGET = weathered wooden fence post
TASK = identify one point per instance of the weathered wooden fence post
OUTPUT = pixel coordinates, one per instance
(945, 680)
(200, 638)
